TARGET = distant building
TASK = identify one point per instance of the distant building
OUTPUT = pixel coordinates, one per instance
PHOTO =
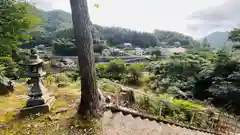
(177, 50)
(40, 52)
(103, 42)
(98, 41)
(163, 43)
(127, 44)
(166, 52)
(106, 52)
(139, 51)
(178, 44)
(67, 61)
(40, 46)
(115, 52)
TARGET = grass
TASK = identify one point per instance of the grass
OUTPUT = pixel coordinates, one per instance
(52, 123)
(9, 104)
(107, 86)
(43, 126)
(62, 120)
(189, 104)
(133, 52)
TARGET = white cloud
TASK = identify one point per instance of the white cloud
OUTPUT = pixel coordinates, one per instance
(144, 15)
(217, 18)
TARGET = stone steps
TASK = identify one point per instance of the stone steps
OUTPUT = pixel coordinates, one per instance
(120, 124)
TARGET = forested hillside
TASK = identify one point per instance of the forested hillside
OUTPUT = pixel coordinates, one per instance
(217, 39)
(57, 25)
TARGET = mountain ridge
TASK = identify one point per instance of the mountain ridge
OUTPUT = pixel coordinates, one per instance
(55, 20)
(217, 39)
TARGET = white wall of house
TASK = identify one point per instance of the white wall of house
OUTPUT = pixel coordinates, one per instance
(106, 52)
(139, 51)
(177, 50)
(127, 44)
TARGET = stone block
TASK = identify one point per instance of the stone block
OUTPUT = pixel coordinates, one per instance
(39, 108)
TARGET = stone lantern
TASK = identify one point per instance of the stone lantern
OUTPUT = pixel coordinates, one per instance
(39, 100)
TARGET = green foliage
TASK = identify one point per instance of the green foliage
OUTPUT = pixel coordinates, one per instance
(202, 74)
(98, 48)
(2, 72)
(101, 70)
(133, 52)
(107, 86)
(64, 47)
(157, 54)
(173, 38)
(235, 35)
(116, 69)
(119, 70)
(171, 109)
(10, 67)
(58, 24)
(16, 20)
(134, 72)
(180, 71)
(189, 104)
(62, 78)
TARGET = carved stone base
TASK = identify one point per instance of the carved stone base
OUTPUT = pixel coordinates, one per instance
(39, 108)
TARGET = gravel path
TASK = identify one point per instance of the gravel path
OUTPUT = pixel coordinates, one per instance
(118, 124)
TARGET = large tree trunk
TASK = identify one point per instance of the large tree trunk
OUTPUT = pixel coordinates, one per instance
(90, 102)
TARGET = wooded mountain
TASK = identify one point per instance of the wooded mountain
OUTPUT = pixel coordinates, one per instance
(217, 39)
(57, 25)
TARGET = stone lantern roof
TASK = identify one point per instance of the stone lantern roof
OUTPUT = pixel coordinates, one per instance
(34, 60)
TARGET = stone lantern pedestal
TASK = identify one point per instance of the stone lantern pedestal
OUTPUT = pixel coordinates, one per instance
(39, 100)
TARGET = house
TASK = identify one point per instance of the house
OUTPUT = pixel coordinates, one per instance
(106, 52)
(115, 52)
(177, 50)
(127, 45)
(139, 51)
(103, 42)
(65, 62)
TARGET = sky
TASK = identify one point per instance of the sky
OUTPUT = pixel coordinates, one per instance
(196, 18)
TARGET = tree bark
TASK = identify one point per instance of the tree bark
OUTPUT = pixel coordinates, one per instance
(90, 102)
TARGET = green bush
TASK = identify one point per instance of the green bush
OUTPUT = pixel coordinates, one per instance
(101, 70)
(172, 109)
(62, 78)
(148, 105)
(10, 69)
(188, 104)
(133, 74)
(73, 76)
(116, 69)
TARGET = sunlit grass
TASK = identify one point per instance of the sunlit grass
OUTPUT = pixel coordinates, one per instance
(52, 123)
(189, 104)
(11, 103)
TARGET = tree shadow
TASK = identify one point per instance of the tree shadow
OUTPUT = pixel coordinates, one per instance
(86, 126)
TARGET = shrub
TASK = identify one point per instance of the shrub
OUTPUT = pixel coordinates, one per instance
(172, 109)
(101, 70)
(189, 104)
(73, 76)
(50, 79)
(133, 74)
(148, 105)
(97, 57)
(116, 69)
(62, 78)
(10, 67)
